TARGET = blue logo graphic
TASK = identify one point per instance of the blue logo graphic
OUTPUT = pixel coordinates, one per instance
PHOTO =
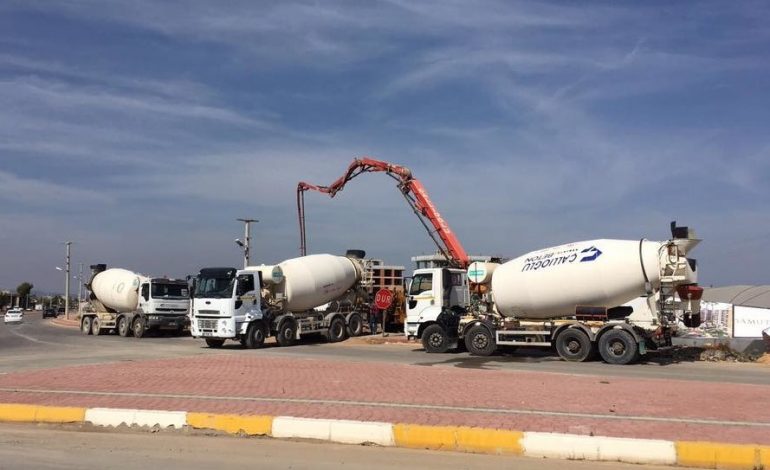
(590, 254)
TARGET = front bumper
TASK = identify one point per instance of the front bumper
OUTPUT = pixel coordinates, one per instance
(175, 322)
(213, 327)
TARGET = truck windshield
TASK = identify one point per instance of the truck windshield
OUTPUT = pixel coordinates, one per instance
(421, 283)
(214, 287)
(169, 291)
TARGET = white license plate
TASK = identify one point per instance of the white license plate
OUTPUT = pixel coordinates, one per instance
(207, 333)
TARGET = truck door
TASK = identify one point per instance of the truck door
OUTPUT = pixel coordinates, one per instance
(246, 297)
(144, 297)
(425, 294)
(456, 288)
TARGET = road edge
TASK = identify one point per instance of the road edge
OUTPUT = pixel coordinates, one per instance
(64, 323)
(413, 436)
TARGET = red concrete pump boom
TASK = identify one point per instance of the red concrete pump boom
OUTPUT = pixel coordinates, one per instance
(414, 193)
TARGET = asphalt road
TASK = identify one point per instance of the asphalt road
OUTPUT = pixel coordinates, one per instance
(37, 344)
(37, 447)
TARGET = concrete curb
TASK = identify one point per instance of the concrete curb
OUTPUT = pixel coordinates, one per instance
(455, 438)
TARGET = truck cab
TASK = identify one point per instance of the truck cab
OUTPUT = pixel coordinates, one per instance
(435, 297)
(241, 305)
(225, 302)
(162, 297)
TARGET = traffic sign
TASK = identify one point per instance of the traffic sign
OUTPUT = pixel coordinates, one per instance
(383, 299)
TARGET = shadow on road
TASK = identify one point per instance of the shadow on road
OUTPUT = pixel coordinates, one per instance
(541, 356)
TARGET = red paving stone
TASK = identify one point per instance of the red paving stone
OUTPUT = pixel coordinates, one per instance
(376, 385)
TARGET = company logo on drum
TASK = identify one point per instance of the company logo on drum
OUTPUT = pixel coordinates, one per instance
(557, 258)
(590, 254)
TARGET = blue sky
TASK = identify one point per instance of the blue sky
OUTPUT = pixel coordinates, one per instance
(141, 130)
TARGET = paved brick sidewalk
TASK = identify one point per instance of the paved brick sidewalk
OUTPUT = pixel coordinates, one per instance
(529, 401)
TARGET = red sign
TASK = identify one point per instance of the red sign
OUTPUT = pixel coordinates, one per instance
(383, 299)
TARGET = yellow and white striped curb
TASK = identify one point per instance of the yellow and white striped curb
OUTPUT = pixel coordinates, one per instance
(455, 438)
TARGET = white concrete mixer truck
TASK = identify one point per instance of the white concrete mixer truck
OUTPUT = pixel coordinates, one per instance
(131, 304)
(615, 297)
(311, 295)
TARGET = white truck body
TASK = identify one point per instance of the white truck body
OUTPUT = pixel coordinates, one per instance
(566, 297)
(132, 304)
(250, 304)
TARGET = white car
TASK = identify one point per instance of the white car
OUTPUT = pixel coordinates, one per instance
(14, 315)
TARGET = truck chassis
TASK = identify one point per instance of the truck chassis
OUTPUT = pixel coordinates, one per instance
(575, 340)
(287, 328)
(136, 324)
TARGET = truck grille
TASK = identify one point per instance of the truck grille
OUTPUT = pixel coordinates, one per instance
(205, 324)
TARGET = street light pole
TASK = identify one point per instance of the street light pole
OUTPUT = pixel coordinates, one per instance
(67, 283)
(247, 242)
(80, 285)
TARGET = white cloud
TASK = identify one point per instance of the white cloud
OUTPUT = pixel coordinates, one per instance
(40, 193)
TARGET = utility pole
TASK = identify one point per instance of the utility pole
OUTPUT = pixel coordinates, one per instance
(80, 285)
(67, 283)
(246, 244)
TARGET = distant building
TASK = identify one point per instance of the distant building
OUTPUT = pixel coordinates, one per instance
(743, 310)
(439, 261)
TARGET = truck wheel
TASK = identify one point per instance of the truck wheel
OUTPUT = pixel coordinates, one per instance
(287, 333)
(573, 345)
(214, 343)
(337, 330)
(123, 327)
(618, 347)
(85, 325)
(479, 341)
(435, 339)
(138, 327)
(255, 335)
(96, 326)
(355, 325)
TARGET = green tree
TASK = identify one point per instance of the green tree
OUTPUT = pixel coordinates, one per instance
(5, 299)
(23, 290)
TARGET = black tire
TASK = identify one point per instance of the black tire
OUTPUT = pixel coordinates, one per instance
(693, 321)
(255, 335)
(85, 325)
(214, 343)
(618, 347)
(124, 329)
(573, 345)
(138, 327)
(355, 325)
(96, 326)
(287, 333)
(435, 339)
(337, 330)
(479, 341)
